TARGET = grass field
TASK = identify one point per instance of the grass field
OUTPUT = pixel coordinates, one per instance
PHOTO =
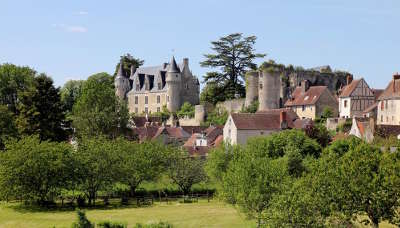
(202, 214)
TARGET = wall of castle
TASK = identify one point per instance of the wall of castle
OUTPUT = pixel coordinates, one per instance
(154, 104)
(269, 90)
(251, 87)
(232, 105)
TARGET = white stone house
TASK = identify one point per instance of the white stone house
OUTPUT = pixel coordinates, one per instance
(355, 98)
(389, 103)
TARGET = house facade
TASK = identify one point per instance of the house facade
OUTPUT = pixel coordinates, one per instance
(310, 102)
(355, 98)
(389, 103)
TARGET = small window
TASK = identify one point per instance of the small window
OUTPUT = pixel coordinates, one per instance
(158, 99)
(303, 108)
(136, 100)
(345, 104)
(387, 119)
(186, 86)
(146, 110)
(146, 100)
(159, 85)
(381, 118)
(261, 86)
(382, 105)
(158, 109)
(136, 110)
(137, 87)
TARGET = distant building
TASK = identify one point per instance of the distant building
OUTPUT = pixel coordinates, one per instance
(389, 103)
(148, 89)
(241, 126)
(310, 102)
(355, 98)
(363, 128)
(200, 143)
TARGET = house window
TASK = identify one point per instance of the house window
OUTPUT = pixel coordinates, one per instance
(136, 110)
(386, 104)
(303, 108)
(381, 118)
(146, 100)
(146, 110)
(158, 99)
(260, 86)
(382, 105)
(136, 100)
(387, 119)
(345, 104)
(261, 133)
(158, 109)
(392, 118)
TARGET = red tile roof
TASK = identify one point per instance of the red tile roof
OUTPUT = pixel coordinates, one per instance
(348, 89)
(310, 97)
(258, 121)
(140, 121)
(302, 123)
(377, 93)
(173, 132)
(145, 133)
(389, 93)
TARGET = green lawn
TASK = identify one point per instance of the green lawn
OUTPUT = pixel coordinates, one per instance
(202, 214)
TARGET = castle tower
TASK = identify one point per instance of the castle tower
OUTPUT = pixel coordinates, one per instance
(121, 83)
(269, 92)
(251, 87)
(173, 81)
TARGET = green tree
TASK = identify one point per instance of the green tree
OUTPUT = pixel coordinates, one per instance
(98, 111)
(252, 108)
(13, 81)
(185, 171)
(34, 170)
(216, 117)
(41, 111)
(186, 109)
(128, 61)
(212, 93)
(8, 128)
(234, 55)
(70, 93)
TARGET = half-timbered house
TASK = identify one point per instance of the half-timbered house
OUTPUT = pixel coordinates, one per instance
(355, 98)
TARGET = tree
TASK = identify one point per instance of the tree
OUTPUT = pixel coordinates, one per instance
(41, 112)
(13, 81)
(128, 61)
(34, 170)
(252, 108)
(98, 111)
(186, 109)
(8, 128)
(211, 93)
(185, 171)
(319, 133)
(234, 56)
(217, 117)
(98, 166)
(70, 93)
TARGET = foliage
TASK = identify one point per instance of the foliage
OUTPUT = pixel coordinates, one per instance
(35, 171)
(13, 81)
(98, 111)
(108, 224)
(82, 222)
(41, 111)
(186, 109)
(345, 126)
(212, 93)
(252, 108)
(216, 117)
(154, 225)
(128, 61)
(319, 133)
(70, 93)
(164, 114)
(185, 171)
(8, 128)
(234, 56)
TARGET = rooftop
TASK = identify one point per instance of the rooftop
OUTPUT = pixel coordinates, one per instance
(309, 97)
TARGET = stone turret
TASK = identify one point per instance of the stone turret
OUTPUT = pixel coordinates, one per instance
(121, 82)
(269, 90)
(173, 81)
(251, 87)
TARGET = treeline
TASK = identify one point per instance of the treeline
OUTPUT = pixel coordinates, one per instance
(43, 172)
(288, 179)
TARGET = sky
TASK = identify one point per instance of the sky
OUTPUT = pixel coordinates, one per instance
(76, 38)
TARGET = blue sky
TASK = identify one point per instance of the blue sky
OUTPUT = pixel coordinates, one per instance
(76, 38)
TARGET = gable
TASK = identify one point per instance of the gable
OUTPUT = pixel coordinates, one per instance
(362, 90)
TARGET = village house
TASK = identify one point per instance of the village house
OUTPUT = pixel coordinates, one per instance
(363, 128)
(355, 98)
(241, 126)
(389, 103)
(200, 143)
(310, 102)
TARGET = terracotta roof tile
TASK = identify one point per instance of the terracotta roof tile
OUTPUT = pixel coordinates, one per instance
(311, 96)
(389, 93)
(302, 123)
(173, 132)
(291, 115)
(258, 121)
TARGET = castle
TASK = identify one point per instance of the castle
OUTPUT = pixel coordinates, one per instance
(148, 89)
(272, 87)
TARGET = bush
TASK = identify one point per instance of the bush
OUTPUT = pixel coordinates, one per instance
(108, 224)
(82, 222)
(154, 225)
(344, 127)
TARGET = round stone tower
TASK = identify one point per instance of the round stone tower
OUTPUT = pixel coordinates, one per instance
(121, 83)
(173, 81)
(269, 90)
(251, 87)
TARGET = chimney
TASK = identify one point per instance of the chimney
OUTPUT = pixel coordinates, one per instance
(283, 120)
(349, 79)
(305, 85)
(185, 62)
(396, 76)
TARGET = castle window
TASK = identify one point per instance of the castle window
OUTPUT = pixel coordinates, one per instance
(158, 99)
(186, 86)
(261, 86)
(136, 99)
(158, 109)
(146, 110)
(137, 87)
(146, 100)
(159, 85)
(136, 110)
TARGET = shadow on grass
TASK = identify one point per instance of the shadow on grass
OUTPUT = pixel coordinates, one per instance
(32, 208)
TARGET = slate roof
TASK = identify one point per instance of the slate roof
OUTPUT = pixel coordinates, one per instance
(389, 93)
(310, 97)
(348, 89)
(258, 121)
(173, 68)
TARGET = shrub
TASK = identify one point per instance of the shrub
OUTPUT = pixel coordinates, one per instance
(108, 224)
(154, 225)
(82, 222)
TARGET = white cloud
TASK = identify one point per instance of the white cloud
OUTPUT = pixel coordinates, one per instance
(76, 29)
